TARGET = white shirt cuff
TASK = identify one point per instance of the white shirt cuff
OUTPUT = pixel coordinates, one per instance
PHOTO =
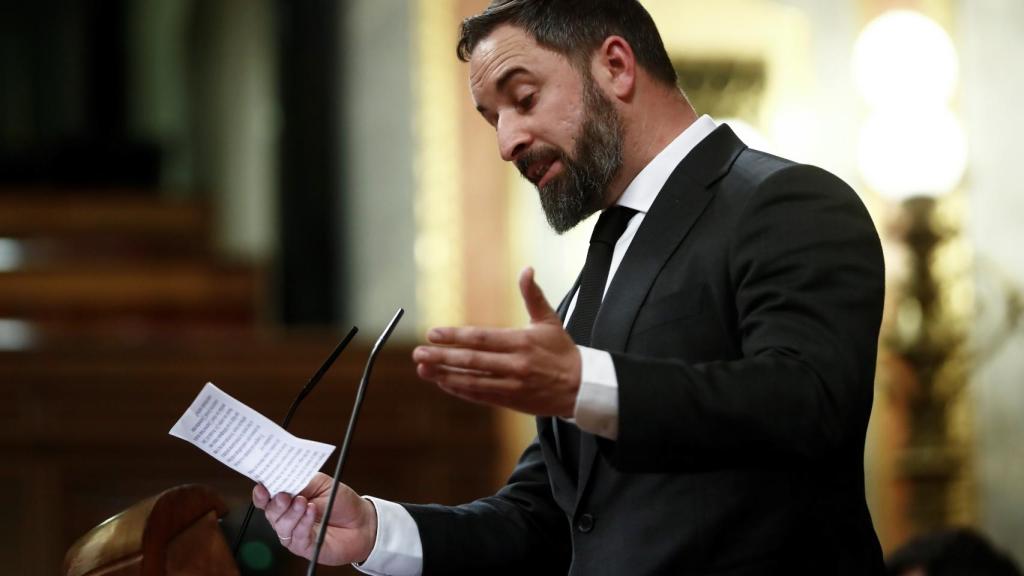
(597, 402)
(398, 550)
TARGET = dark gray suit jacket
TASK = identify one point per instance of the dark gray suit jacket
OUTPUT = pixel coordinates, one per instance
(743, 324)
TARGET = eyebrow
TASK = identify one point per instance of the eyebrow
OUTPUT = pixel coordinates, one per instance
(507, 75)
(502, 80)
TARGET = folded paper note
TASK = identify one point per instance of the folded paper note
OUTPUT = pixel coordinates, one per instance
(248, 442)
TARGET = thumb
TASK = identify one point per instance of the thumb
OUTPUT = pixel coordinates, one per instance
(536, 304)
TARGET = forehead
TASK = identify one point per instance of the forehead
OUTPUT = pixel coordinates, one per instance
(505, 49)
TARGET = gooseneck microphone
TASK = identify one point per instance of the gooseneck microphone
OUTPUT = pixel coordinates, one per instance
(288, 419)
(360, 393)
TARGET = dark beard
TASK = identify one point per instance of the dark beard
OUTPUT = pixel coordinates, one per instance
(597, 157)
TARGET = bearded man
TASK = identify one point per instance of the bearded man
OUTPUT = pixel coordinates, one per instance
(702, 393)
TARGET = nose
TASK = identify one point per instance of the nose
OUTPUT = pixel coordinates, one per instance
(513, 137)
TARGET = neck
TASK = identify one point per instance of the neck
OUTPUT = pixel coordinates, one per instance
(648, 128)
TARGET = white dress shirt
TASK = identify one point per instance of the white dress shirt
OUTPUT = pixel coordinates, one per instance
(398, 550)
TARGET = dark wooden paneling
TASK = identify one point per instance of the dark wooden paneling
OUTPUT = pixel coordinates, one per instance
(85, 434)
(87, 214)
(183, 290)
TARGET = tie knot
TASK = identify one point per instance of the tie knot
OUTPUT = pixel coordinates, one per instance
(611, 225)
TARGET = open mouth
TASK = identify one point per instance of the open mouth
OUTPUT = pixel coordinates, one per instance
(540, 173)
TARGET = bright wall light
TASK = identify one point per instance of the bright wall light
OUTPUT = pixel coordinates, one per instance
(904, 57)
(794, 131)
(11, 254)
(912, 151)
(905, 66)
(16, 335)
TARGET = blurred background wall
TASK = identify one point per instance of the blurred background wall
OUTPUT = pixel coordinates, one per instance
(990, 38)
(218, 189)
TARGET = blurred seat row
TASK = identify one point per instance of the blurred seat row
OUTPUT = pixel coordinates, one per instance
(114, 311)
(123, 263)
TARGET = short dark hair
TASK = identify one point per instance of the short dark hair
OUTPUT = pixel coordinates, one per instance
(575, 28)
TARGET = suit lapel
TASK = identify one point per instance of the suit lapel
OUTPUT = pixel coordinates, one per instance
(552, 424)
(678, 206)
(563, 307)
(549, 429)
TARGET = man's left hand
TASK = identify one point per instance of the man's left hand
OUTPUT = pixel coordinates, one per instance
(534, 369)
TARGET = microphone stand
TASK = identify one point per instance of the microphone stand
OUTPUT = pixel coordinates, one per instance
(360, 393)
(288, 419)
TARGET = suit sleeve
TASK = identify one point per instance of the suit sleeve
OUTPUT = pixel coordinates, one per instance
(807, 278)
(519, 530)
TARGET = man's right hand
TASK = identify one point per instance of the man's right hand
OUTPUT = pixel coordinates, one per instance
(351, 529)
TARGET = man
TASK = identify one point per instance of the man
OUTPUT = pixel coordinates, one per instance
(950, 552)
(703, 410)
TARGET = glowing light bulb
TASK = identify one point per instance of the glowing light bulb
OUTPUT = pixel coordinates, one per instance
(904, 57)
(912, 151)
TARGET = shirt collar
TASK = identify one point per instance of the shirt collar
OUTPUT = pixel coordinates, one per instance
(642, 191)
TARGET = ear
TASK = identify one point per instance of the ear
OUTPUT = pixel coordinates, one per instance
(615, 67)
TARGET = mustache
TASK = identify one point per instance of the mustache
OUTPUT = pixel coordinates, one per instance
(545, 154)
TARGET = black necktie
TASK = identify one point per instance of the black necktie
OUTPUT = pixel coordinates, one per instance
(610, 226)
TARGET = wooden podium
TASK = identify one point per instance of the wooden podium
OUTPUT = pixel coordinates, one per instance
(174, 533)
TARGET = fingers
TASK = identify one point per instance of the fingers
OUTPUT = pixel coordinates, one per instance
(260, 496)
(486, 339)
(292, 520)
(278, 506)
(473, 360)
(287, 525)
(350, 531)
(500, 339)
(303, 536)
(453, 379)
(536, 304)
